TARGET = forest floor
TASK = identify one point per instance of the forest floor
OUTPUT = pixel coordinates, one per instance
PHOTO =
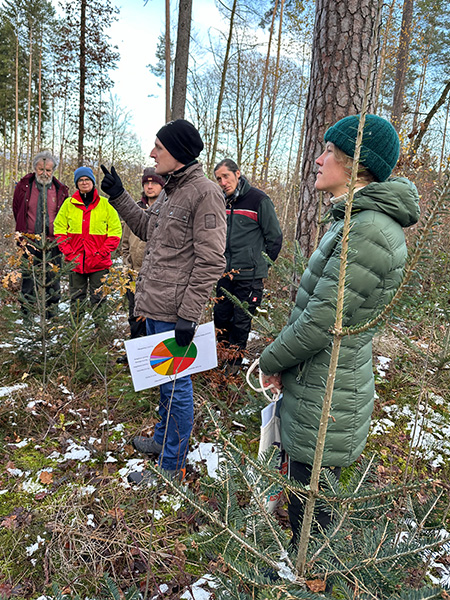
(68, 415)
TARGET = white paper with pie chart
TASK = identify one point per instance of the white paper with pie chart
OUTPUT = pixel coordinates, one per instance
(157, 359)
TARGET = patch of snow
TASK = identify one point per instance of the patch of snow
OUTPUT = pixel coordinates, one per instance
(198, 592)
(163, 588)
(87, 490)
(6, 391)
(32, 487)
(119, 427)
(54, 455)
(106, 422)
(30, 550)
(382, 365)
(15, 472)
(206, 451)
(76, 452)
(110, 458)
(90, 520)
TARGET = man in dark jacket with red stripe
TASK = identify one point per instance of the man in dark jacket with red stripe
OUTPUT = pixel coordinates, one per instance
(38, 194)
(252, 229)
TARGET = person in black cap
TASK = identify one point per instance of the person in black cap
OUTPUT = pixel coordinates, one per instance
(185, 231)
(133, 248)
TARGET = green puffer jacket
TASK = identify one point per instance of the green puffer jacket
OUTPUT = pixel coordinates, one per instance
(377, 255)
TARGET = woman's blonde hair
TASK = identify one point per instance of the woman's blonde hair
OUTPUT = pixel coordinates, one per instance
(364, 175)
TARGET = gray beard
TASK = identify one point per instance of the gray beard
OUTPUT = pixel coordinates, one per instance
(44, 180)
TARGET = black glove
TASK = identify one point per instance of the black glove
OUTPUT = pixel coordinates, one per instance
(111, 184)
(184, 331)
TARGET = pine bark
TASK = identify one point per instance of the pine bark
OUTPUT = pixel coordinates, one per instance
(339, 69)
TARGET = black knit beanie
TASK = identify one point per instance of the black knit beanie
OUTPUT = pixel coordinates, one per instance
(380, 147)
(181, 139)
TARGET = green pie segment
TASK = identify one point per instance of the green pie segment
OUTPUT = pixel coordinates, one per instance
(168, 358)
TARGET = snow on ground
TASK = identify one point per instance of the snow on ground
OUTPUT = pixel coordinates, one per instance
(430, 435)
(205, 453)
(7, 391)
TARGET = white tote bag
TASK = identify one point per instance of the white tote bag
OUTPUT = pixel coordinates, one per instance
(270, 436)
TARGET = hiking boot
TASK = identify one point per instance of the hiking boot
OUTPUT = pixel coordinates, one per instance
(147, 445)
(150, 479)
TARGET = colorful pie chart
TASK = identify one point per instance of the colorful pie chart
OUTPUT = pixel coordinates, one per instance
(168, 358)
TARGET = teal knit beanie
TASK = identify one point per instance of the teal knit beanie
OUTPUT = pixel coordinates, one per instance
(380, 147)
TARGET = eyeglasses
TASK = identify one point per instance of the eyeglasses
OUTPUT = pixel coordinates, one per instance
(84, 180)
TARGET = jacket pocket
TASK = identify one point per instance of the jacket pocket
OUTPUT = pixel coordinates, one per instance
(174, 226)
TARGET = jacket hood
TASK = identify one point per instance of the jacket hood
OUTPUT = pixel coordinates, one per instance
(397, 197)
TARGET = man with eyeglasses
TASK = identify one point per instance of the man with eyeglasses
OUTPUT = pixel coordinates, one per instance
(37, 199)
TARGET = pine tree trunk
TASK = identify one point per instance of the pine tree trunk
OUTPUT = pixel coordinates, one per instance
(265, 169)
(39, 133)
(402, 63)
(15, 157)
(30, 68)
(263, 92)
(181, 59)
(222, 90)
(167, 61)
(82, 83)
(380, 70)
(339, 69)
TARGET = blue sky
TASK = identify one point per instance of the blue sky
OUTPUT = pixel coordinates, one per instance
(136, 35)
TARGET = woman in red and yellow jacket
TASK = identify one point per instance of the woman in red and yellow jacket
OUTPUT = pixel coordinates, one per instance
(88, 230)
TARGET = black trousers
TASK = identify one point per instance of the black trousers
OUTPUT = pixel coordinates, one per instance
(52, 279)
(296, 506)
(137, 328)
(233, 322)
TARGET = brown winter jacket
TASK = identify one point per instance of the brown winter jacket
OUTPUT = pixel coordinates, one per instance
(185, 231)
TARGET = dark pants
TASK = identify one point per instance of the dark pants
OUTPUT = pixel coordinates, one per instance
(233, 322)
(32, 278)
(296, 506)
(79, 284)
(137, 328)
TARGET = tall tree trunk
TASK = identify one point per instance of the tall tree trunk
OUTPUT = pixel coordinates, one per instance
(339, 69)
(39, 133)
(167, 58)
(15, 168)
(263, 92)
(181, 59)
(222, 90)
(265, 169)
(30, 69)
(380, 70)
(82, 83)
(402, 63)
(421, 86)
(444, 140)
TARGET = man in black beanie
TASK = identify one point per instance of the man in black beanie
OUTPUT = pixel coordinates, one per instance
(185, 231)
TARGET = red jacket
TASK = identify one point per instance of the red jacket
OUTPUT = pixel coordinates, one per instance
(88, 234)
(22, 195)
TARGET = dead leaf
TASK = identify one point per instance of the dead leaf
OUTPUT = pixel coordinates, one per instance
(116, 513)
(316, 585)
(46, 477)
(9, 522)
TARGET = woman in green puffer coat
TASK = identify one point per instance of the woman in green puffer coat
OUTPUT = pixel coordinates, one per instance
(298, 360)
